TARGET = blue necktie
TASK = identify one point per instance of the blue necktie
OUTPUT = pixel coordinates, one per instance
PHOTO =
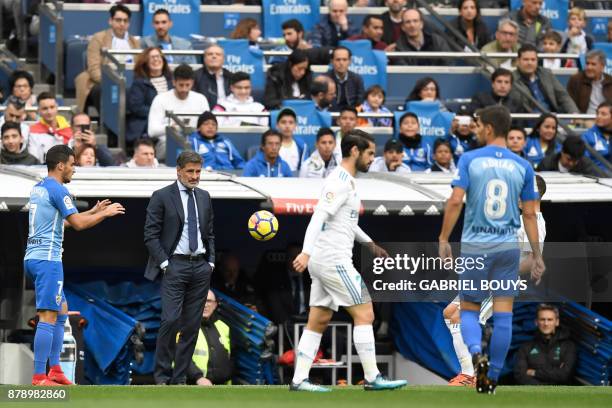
(192, 222)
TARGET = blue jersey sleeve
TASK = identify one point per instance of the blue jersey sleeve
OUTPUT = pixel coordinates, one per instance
(462, 177)
(61, 199)
(530, 189)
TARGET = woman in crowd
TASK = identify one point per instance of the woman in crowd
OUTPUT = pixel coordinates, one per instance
(21, 84)
(151, 76)
(469, 23)
(288, 80)
(543, 140)
(417, 153)
(598, 137)
(427, 90)
(247, 29)
(85, 155)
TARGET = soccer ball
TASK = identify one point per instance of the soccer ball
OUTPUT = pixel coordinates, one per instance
(263, 225)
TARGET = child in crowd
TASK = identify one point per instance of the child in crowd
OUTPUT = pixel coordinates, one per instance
(443, 157)
(374, 103)
(551, 44)
(576, 41)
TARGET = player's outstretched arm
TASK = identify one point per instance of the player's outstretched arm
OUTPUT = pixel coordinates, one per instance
(452, 211)
(81, 221)
(300, 263)
(531, 229)
(100, 205)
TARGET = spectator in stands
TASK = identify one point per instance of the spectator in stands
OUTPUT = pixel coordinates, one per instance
(349, 85)
(550, 358)
(152, 76)
(21, 84)
(212, 80)
(144, 155)
(15, 112)
(293, 34)
(592, 86)
(240, 100)
(532, 24)
(51, 129)
(320, 92)
(247, 29)
(392, 20)
(371, 29)
(598, 137)
(87, 83)
(541, 83)
(211, 363)
(347, 121)
(334, 27)
(576, 41)
(323, 160)
(463, 138)
(12, 151)
(179, 99)
(162, 24)
(442, 157)
(391, 160)
(85, 155)
(500, 93)
(414, 38)
(551, 44)
(543, 140)
(417, 153)
(427, 90)
(469, 23)
(516, 140)
(288, 80)
(267, 162)
(218, 152)
(293, 149)
(374, 103)
(506, 40)
(82, 134)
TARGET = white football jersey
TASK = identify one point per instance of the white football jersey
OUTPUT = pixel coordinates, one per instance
(524, 241)
(340, 200)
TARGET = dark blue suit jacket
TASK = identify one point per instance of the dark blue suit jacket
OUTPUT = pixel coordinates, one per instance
(164, 225)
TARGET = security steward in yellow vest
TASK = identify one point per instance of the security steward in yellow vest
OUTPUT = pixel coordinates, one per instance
(211, 363)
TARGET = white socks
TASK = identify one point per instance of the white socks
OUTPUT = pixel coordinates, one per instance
(363, 337)
(306, 352)
(463, 354)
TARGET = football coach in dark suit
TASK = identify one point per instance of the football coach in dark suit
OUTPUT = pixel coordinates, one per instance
(179, 235)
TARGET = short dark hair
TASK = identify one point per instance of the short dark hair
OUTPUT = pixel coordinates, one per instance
(501, 72)
(58, 154)
(183, 71)
(294, 24)
(341, 47)
(20, 74)
(18, 103)
(297, 56)
(188, 156)
(10, 125)
(286, 112)
(144, 141)
(355, 137)
(605, 104)
(553, 35)
(545, 307)
(368, 19)
(393, 145)
(518, 129)
(324, 131)
(239, 76)
(120, 7)
(318, 87)
(375, 89)
(268, 133)
(162, 11)
(441, 142)
(574, 147)
(541, 184)
(498, 117)
(527, 48)
(349, 109)
(408, 115)
(45, 95)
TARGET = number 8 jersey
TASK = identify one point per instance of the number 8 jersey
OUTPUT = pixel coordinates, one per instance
(494, 179)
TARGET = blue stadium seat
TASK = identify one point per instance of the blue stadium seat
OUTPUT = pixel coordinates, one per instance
(75, 60)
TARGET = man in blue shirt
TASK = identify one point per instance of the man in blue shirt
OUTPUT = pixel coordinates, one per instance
(218, 152)
(493, 179)
(51, 204)
(162, 23)
(267, 162)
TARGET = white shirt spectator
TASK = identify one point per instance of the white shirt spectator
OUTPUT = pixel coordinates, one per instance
(379, 165)
(314, 166)
(233, 104)
(132, 165)
(291, 154)
(194, 103)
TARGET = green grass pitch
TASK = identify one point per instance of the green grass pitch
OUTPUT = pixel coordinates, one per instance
(352, 397)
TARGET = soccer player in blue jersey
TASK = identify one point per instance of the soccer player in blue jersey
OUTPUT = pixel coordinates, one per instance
(52, 209)
(493, 179)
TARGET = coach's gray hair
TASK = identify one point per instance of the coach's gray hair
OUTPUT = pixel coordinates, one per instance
(505, 21)
(188, 156)
(599, 54)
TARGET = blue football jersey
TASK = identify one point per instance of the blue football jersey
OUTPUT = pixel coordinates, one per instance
(494, 179)
(50, 203)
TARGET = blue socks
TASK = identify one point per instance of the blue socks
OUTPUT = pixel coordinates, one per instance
(58, 340)
(42, 346)
(500, 342)
(471, 331)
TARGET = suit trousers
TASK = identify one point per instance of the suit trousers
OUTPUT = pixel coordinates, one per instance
(184, 290)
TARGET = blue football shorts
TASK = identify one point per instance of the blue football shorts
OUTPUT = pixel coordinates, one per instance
(48, 277)
(496, 276)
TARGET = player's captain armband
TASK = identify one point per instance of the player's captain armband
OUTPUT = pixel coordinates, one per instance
(68, 203)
